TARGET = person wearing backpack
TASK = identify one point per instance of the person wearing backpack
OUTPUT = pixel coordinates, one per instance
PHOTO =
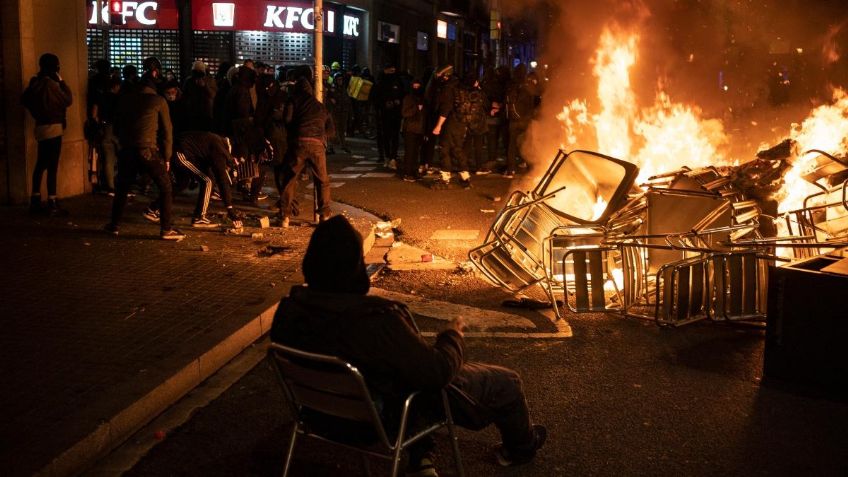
(477, 124)
(454, 109)
(47, 98)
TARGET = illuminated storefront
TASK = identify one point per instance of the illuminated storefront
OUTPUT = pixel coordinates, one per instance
(275, 32)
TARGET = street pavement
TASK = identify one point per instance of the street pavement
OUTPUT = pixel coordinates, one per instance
(619, 396)
(101, 333)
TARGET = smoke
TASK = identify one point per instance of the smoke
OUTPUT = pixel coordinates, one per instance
(725, 57)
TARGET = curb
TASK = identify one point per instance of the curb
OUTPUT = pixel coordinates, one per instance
(123, 425)
(113, 432)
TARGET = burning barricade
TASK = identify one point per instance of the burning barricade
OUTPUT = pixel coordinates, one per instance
(683, 246)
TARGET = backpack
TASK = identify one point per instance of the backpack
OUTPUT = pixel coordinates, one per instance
(469, 107)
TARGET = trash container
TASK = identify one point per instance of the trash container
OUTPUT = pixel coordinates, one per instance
(807, 323)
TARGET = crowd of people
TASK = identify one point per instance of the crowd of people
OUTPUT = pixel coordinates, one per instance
(258, 120)
(149, 128)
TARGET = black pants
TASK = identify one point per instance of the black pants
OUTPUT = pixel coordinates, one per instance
(474, 149)
(312, 155)
(131, 162)
(452, 148)
(390, 133)
(49, 151)
(480, 395)
(412, 143)
(497, 136)
(516, 137)
(200, 169)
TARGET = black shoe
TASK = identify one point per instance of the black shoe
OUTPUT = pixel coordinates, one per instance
(466, 184)
(111, 228)
(35, 207)
(508, 458)
(54, 210)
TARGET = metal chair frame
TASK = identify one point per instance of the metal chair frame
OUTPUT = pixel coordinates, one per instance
(332, 386)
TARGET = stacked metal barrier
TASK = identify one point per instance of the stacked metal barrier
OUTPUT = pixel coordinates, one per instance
(684, 247)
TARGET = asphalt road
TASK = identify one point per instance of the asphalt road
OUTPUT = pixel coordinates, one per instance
(621, 397)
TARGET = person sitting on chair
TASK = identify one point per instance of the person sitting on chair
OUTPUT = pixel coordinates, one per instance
(332, 314)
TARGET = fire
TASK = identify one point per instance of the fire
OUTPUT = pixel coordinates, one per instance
(613, 60)
(825, 129)
(661, 137)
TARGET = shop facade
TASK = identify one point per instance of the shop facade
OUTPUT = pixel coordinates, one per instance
(279, 33)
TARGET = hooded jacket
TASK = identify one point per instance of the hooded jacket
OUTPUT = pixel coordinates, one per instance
(306, 117)
(374, 334)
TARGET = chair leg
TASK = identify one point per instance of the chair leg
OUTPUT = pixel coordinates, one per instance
(290, 453)
(396, 461)
(452, 434)
(366, 465)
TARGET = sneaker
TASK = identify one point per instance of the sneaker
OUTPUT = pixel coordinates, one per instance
(483, 172)
(216, 195)
(507, 458)
(408, 178)
(203, 223)
(509, 174)
(424, 468)
(111, 228)
(172, 234)
(261, 196)
(284, 222)
(151, 215)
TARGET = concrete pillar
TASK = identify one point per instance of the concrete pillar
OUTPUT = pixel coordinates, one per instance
(31, 28)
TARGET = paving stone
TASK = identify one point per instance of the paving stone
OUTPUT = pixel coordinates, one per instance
(89, 329)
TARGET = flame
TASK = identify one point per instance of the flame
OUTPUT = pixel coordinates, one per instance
(825, 129)
(663, 136)
(613, 60)
(599, 208)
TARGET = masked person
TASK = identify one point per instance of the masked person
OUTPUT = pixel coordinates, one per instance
(143, 126)
(196, 153)
(414, 114)
(453, 105)
(521, 102)
(334, 315)
(387, 95)
(309, 125)
(47, 98)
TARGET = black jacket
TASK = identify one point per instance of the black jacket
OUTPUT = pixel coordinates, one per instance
(47, 100)
(306, 117)
(142, 120)
(374, 334)
(413, 116)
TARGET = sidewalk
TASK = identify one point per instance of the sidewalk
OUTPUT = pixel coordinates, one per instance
(100, 333)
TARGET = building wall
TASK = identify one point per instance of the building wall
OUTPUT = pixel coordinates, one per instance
(31, 28)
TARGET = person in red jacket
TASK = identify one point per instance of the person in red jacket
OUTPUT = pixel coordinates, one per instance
(47, 98)
(332, 314)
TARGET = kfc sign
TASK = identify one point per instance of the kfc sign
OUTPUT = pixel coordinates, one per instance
(143, 14)
(295, 18)
(268, 15)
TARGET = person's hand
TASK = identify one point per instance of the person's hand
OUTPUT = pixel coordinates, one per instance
(457, 324)
(420, 107)
(437, 130)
